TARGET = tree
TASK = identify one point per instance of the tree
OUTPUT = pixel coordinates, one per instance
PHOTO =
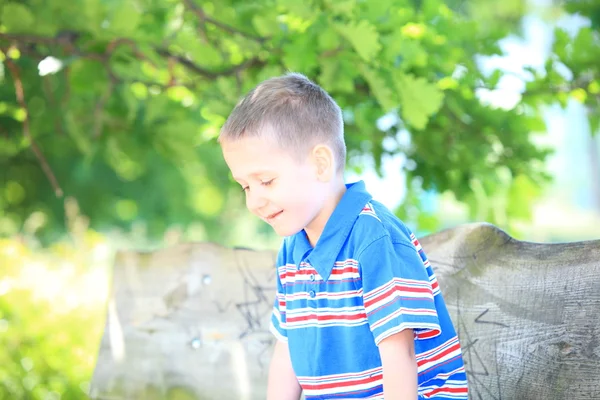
(117, 104)
(572, 70)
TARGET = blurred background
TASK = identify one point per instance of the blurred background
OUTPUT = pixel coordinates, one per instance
(455, 111)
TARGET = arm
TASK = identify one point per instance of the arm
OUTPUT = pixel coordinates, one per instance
(282, 384)
(399, 302)
(399, 366)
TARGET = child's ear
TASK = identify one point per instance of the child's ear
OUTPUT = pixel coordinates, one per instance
(324, 162)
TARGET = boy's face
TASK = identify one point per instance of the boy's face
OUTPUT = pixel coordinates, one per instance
(282, 191)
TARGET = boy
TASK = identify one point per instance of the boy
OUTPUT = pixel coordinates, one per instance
(358, 312)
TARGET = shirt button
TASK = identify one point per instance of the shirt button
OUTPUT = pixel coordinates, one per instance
(312, 277)
(311, 293)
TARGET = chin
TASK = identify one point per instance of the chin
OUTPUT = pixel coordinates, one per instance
(284, 232)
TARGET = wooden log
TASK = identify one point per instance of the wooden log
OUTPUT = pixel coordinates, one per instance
(528, 314)
(187, 322)
(191, 322)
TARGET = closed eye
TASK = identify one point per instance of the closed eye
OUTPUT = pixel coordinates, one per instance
(265, 183)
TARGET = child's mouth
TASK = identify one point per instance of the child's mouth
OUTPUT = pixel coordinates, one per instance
(271, 218)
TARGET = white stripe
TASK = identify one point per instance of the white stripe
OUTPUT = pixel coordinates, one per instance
(403, 326)
(418, 312)
(390, 298)
(276, 333)
(298, 312)
(322, 296)
(432, 352)
(351, 388)
(433, 363)
(337, 377)
(396, 282)
(313, 323)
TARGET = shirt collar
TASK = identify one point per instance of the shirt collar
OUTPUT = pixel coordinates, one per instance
(335, 233)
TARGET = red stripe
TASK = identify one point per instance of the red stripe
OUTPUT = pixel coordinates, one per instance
(326, 317)
(439, 355)
(334, 271)
(342, 384)
(428, 334)
(347, 261)
(400, 289)
(440, 364)
(369, 372)
(447, 390)
(339, 271)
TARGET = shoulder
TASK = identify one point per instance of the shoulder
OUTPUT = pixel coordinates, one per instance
(375, 225)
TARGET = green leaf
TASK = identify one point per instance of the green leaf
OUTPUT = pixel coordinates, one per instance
(270, 71)
(495, 78)
(299, 54)
(595, 123)
(381, 89)
(302, 9)
(419, 99)
(404, 53)
(364, 38)
(266, 24)
(337, 75)
(88, 77)
(341, 7)
(561, 43)
(427, 222)
(522, 193)
(205, 54)
(94, 14)
(536, 124)
(125, 18)
(329, 39)
(585, 48)
(17, 17)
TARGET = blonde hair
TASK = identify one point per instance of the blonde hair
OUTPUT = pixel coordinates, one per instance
(298, 112)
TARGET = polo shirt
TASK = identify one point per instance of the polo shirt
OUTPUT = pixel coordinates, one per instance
(366, 278)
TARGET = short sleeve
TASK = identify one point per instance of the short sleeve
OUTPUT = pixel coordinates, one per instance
(397, 292)
(278, 318)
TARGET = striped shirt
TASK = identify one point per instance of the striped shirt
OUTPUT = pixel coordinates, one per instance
(367, 278)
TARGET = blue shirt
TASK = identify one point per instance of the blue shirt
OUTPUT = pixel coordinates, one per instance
(367, 278)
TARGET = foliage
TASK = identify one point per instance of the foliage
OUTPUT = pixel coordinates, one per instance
(52, 306)
(127, 124)
(573, 70)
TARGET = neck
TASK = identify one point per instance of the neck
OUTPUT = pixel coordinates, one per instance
(316, 227)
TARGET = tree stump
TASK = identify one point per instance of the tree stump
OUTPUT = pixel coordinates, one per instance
(191, 321)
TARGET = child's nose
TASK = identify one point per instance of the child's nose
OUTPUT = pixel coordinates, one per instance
(255, 200)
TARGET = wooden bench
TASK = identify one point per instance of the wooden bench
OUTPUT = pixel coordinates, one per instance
(191, 322)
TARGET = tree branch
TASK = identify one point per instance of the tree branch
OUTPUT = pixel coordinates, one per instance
(20, 94)
(193, 7)
(190, 65)
(53, 103)
(19, 39)
(99, 109)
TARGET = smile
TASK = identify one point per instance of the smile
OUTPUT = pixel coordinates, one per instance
(272, 217)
